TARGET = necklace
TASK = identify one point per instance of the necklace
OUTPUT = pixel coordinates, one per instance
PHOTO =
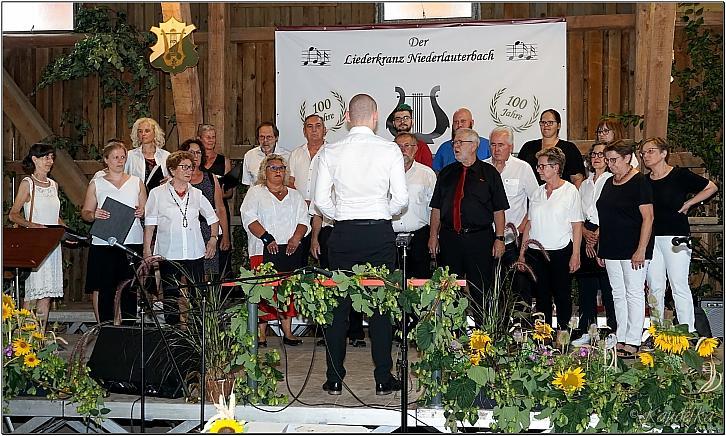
(278, 193)
(38, 180)
(619, 180)
(185, 221)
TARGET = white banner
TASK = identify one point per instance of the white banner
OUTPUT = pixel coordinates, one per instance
(506, 74)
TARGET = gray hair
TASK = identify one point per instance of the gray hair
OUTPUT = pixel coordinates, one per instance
(503, 129)
(469, 133)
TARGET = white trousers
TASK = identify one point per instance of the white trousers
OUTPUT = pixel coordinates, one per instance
(673, 262)
(628, 298)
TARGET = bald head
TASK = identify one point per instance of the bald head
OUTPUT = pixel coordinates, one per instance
(462, 119)
(361, 110)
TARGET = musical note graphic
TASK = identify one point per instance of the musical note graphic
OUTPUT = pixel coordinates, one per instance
(315, 57)
(521, 51)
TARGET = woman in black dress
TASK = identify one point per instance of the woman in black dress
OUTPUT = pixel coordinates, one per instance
(549, 124)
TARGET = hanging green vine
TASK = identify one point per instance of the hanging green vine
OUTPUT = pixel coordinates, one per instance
(111, 48)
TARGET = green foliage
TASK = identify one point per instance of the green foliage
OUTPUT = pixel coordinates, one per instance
(695, 117)
(117, 53)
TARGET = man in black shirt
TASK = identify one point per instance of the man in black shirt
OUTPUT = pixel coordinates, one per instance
(469, 196)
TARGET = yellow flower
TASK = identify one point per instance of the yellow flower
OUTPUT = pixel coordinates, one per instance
(28, 327)
(227, 425)
(7, 299)
(30, 360)
(480, 341)
(475, 358)
(670, 343)
(706, 346)
(20, 347)
(23, 312)
(646, 359)
(570, 380)
(652, 330)
(542, 331)
(7, 311)
(38, 335)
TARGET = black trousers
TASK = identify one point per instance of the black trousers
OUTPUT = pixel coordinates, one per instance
(113, 269)
(351, 243)
(521, 281)
(418, 264)
(469, 255)
(553, 280)
(171, 277)
(592, 278)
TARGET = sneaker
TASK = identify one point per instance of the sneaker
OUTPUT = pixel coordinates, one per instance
(583, 340)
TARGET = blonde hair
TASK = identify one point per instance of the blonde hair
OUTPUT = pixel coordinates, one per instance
(159, 141)
(262, 175)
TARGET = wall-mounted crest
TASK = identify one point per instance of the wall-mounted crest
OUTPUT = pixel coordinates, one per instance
(174, 51)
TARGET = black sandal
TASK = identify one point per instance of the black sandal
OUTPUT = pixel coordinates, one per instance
(627, 354)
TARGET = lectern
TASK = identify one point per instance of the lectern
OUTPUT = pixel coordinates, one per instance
(25, 248)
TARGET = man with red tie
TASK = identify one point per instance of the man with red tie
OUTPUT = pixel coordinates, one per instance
(469, 196)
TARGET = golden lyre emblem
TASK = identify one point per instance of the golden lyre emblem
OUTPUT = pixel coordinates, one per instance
(174, 51)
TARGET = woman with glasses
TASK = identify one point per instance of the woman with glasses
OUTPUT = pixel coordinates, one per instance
(610, 130)
(108, 266)
(672, 187)
(625, 211)
(147, 160)
(549, 125)
(38, 197)
(591, 277)
(173, 209)
(208, 184)
(276, 219)
(555, 221)
(218, 165)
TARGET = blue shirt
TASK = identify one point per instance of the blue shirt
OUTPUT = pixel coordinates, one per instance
(445, 153)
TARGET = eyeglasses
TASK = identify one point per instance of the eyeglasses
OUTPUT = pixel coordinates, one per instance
(603, 131)
(612, 160)
(547, 123)
(649, 151)
(276, 168)
(187, 167)
(542, 166)
(460, 142)
(403, 118)
(266, 138)
(595, 154)
(195, 153)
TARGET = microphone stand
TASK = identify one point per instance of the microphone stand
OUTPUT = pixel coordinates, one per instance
(403, 241)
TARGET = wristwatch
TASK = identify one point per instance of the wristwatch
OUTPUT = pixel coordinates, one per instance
(499, 238)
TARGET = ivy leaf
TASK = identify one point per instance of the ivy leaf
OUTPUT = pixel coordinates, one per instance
(693, 360)
(481, 375)
(360, 304)
(427, 297)
(359, 269)
(424, 335)
(462, 390)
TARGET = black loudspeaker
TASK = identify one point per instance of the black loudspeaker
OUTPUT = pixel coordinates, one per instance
(116, 362)
(713, 309)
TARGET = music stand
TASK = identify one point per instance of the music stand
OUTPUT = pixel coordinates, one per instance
(25, 248)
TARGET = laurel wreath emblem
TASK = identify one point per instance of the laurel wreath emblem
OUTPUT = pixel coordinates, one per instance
(499, 123)
(341, 116)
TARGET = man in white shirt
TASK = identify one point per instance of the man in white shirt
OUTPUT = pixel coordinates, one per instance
(366, 173)
(519, 184)
(267, 136)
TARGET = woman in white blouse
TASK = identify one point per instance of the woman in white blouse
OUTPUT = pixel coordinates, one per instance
(592, 277)
(555, 221)
(147, 160)
(276, 219)
(107, 265)
(174, 208)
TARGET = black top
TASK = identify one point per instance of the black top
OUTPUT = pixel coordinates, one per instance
(619, 210)
(217, 167)
(483, 195)
(669, 194)
(574, 163)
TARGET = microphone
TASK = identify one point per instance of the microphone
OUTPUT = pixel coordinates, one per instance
(322, 272)
(113, 242)
(678, 240)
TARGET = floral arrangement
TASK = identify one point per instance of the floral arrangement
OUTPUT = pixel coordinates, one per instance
(224, 421)
(32, 366)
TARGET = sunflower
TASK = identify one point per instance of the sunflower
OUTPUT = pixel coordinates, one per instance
(38, 335)
(673, 344)
(646, 359)
(706, 346)
(652, 330)
(30, 360)
(7, 299)
(480, 341)
(7, 311)
(23, 312)
(570, 380)
(542, 331)
(227, 425)
(28, 327)
(475, 358)
(20, 347)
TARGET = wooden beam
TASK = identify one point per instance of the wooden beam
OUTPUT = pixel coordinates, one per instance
(185, 85)
(242, 34)
(600, 22)
(41, 40)
(218, 104)
(31, 125)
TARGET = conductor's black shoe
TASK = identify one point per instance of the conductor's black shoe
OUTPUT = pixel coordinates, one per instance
(321, 342)
(386, 388)
(333, 388)
(357, 343)
(291, 342)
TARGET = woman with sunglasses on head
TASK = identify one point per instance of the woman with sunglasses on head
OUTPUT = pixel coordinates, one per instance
(209, 185)
(625, 211)
(38, 197)
(276, 219)
(591, 277)
(549, 125)
(173, 209)
(672, 187)
(555, 221)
